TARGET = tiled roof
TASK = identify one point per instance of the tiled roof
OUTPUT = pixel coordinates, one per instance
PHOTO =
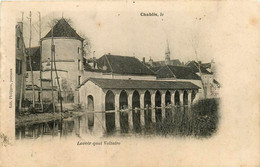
(123, 65)
(35, 56)
(63, 29)
(140, 84)
(178, 72)
(194, 66)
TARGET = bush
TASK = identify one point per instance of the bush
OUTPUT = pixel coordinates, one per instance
(205, 117)
(201, 120)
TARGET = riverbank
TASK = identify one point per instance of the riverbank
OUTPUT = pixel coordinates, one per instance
(44, 117)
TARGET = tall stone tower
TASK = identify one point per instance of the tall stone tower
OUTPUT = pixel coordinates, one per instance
(68, 49)
(167, 54)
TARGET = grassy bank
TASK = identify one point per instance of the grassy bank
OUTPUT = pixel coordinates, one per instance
(201, 120)
(31, 116)
(44, 117)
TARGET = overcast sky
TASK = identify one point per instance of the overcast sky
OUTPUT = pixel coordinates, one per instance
(125, 32)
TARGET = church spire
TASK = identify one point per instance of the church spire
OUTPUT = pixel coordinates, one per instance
(167, 54)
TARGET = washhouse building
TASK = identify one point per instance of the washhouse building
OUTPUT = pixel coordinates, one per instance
(135, 90)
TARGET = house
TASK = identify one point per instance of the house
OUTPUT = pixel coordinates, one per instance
(207, 73)
(121, 67)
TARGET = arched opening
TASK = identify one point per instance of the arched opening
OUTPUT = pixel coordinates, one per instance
(123, 104)
(136, 115)
(193, 95)
(90, 110)
(167, 98)
(168, 112)
(177, 98)
(148, 114)
(185, 98)
(110, 105)
(158, 103)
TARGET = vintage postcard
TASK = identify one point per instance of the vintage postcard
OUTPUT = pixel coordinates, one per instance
(131, 83)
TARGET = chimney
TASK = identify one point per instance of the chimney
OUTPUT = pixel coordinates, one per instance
(144, 60)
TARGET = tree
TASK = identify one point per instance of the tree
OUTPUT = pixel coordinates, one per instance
(195, 44)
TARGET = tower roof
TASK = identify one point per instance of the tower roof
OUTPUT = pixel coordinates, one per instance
(63, 29)
(167, 50)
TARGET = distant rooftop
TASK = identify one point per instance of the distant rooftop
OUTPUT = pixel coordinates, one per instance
(177, 72)
(174, 62)
(123, 65)
(203, 67)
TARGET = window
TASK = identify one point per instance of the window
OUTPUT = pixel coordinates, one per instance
(79, 80)
(18, 67)
(79, 64)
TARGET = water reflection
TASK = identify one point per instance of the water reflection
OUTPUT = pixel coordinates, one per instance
(79, 126)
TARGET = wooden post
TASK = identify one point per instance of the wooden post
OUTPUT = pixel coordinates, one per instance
(23, 72)
(40, 60)
(30, 59)
(52, 55)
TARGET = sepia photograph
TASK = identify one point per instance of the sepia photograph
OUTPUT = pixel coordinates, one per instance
(128, 81)
(65, 87)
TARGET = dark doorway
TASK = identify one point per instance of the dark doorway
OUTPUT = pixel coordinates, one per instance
(148, 114)
(177, 98)
(158, 103)
(185, 98)
(123, 104)
(168, 111)
(110, 105)
(90, 110)
(136, 115)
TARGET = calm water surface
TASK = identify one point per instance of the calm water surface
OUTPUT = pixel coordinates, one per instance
(78, 126)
